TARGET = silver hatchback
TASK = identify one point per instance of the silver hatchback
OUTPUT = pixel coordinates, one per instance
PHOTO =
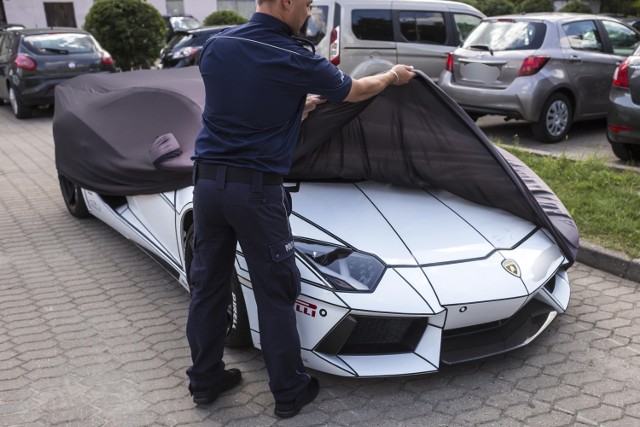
(550, 69)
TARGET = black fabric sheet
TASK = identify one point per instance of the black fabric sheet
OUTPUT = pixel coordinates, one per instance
(134, 133)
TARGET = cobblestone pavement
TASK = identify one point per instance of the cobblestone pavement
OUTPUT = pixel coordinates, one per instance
(92, 334)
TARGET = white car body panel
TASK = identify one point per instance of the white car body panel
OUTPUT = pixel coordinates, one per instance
(392, 295)
(443, 258)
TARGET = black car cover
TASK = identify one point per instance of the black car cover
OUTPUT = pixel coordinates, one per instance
(134, 133)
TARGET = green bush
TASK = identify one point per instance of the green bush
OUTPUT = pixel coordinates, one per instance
(224, 17)
(576, 6)
(133, 31)
(496, 7)
(531, 6)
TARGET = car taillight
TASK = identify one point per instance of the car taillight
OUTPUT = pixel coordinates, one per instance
(620, 128)
(24, 62)
(621, 75)
(106, 58)
(186, 52)
(531, 65)
(334, 46)
(449, 66)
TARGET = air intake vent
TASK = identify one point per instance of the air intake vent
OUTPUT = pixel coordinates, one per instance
(374, 335)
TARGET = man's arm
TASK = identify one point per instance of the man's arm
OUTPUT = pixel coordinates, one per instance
(367, 87)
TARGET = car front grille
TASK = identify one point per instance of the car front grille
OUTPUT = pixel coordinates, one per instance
(359, 335)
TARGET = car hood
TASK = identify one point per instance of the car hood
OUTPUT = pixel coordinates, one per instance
(403, 226)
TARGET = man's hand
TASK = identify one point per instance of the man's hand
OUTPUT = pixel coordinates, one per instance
(311, 103)
(366, 87)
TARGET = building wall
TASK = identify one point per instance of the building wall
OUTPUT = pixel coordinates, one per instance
(30, 13)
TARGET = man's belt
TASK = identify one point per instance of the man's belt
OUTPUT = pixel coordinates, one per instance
(235, 174)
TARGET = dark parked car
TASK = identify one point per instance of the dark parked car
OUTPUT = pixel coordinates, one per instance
(180, 23)
(623, 119)
(550, 69)
(34, 61)
(184, 47)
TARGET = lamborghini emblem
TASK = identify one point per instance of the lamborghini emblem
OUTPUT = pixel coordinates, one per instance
(511, 267)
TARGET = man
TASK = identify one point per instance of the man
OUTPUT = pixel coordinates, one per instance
(257, 77)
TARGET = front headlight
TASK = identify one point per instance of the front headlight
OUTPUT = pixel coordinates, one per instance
(344, 268)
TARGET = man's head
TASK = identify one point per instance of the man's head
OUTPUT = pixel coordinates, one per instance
(294, 13)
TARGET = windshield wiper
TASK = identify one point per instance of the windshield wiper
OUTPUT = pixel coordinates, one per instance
(481, 47)
(54, 50)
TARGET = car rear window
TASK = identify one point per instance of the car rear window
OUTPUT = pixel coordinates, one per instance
(507, 35)
(184, 23)
(179, 40)
(60, 43)
(372, 24)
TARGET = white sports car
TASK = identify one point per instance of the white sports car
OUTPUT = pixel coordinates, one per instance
(396, 278)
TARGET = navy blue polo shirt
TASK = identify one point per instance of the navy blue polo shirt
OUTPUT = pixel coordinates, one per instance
(256, 78)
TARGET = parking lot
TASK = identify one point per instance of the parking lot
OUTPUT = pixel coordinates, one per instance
(92, 333)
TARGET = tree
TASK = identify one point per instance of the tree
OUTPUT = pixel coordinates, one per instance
(224, 17)
(496, 7)
(531, 6)
(576, 6)
(133, 31)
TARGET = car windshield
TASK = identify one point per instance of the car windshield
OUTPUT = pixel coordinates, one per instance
(184, 23)
(60, 43)
(501, 35)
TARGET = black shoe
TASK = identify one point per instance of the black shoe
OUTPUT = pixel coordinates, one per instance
(288, 410)
(230, 379)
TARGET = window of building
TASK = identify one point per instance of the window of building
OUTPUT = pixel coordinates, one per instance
(60, 14)
(175, 7)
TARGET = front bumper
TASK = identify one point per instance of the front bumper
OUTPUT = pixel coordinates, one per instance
(624, 115)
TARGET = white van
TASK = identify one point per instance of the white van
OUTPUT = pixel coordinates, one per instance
(364, 37)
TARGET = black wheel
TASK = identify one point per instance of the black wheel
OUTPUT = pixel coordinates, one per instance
(73, 198)
(555, 119)
(622, 151)
(20, 109)
(238, 331)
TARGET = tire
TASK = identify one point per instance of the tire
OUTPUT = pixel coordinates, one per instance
(73, 198)
(238, 331)
(622, 151)
(555, 119)
(20, 109)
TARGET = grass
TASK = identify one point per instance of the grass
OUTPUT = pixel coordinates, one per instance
(604, 202)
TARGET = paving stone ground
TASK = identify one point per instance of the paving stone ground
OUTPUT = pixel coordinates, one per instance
(92, 334)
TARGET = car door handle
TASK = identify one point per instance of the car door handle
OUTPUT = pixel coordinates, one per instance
(574, 59)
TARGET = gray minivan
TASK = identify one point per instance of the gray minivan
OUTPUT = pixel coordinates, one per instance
(364, 37)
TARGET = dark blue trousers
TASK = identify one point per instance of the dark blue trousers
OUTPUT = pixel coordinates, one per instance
(256, 216)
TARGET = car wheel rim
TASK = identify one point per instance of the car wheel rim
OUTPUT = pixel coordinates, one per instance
(13, 101)
(557, 118)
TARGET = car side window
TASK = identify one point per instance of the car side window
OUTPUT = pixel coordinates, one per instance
(583, 35)
(464, 24)
(372, 24)
(315, 28)
(623, 40)
(5, 43)
(423, 27)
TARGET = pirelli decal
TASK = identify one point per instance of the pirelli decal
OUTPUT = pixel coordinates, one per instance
(306, 308)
